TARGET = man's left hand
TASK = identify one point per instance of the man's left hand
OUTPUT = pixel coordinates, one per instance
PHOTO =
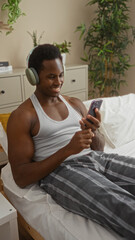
(85, 124)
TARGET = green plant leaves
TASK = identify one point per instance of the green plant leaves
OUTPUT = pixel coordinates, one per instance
(82, 29)
(64, 47)
(35, 39)
(14, 12)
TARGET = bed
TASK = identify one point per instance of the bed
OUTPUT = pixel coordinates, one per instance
(39, 209)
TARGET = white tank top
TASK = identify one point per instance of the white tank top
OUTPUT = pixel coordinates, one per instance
(53, 135)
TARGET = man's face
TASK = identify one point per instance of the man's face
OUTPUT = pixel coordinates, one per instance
(51, 78)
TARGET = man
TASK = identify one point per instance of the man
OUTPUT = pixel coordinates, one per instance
(50, 141)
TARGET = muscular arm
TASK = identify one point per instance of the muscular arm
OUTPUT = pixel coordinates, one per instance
(21, 149)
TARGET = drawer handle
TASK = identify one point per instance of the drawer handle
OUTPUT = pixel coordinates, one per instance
(73, 80)
(2, 91)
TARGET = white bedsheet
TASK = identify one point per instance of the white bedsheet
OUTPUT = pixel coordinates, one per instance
(127, 149)
(51, 220)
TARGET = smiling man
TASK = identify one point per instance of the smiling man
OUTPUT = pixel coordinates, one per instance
(51, 141)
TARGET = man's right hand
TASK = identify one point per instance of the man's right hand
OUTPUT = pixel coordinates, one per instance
(80, 141)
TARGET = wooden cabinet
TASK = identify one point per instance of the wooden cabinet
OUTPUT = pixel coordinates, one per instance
(76, 82)
(15, 88)
(11, 91)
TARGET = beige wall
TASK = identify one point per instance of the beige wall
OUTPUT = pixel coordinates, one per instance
(58, 18)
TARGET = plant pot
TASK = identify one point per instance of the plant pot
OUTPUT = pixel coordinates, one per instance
(63, 58)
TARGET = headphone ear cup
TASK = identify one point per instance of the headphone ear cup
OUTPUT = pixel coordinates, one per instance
(32, 76)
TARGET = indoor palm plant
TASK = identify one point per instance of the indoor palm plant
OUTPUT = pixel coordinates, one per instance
(105, 46)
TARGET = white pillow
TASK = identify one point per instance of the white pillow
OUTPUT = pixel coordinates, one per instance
(118, 119)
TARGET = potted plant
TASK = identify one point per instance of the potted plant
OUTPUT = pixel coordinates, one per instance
(35, 39)
(64, 48)
(14, 12)
(106, 40)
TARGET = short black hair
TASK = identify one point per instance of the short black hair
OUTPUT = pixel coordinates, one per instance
(43, 52)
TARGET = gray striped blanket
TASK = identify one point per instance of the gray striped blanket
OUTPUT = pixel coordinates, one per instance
(97, 186)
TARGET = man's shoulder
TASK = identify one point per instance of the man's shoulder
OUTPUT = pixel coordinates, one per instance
(77, 104)
(72, 100)
(23, 111)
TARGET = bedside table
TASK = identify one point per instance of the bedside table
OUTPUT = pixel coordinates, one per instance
(8, 220)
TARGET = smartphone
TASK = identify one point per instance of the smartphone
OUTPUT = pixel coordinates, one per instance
(95, 104)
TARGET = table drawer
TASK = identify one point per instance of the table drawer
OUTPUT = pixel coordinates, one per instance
(10, 90)
(74, 80)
